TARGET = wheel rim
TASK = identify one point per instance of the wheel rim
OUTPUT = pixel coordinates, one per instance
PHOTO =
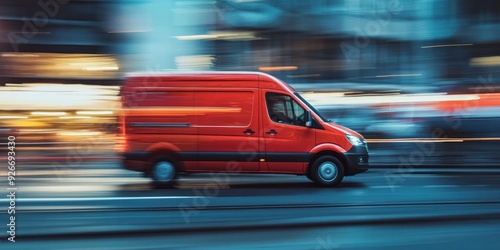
(327, 171)
(164, 171)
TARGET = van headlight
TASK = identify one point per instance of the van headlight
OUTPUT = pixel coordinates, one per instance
(356, 141)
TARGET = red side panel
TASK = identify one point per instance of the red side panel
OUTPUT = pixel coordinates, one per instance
(221, 130)
(159, 121)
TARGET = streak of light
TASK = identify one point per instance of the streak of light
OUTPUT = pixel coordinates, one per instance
(19, 55)
(75, 117)
(278, 68)
(324, 99)
(401, 75)
(97, 68)
(303, 76)
(102, 198)
(80, 133)
(447, 45)
(13, 117)
(433, 140)
(48, 113)
(444, 140)
(94, 112)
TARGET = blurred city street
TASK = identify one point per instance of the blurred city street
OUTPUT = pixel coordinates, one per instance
(418, 79)
(98, 205)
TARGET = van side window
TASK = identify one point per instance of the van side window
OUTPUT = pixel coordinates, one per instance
(283, 109)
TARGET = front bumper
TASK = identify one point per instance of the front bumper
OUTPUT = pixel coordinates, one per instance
(357, 160)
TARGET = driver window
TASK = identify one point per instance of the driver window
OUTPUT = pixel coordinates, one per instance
(283, 109)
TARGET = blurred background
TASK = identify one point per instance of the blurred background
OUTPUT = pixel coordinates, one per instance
(420, 79)
(406, 74)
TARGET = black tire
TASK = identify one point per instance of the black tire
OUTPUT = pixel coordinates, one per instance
(163, 171)
(309, 176)
(327, 171)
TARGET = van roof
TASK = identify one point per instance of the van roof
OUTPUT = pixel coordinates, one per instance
(211, 75)
(193, 73)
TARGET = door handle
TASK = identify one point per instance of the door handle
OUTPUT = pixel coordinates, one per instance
(248, 132)
(271, 132)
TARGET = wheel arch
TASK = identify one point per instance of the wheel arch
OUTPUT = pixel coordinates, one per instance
(339, 155)
(165, 149)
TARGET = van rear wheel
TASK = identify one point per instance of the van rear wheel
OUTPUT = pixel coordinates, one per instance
(327, 171)
(163, 171)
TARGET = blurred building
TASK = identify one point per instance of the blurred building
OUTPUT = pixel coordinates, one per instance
(57, 41)
(377, 41)
(54, 54)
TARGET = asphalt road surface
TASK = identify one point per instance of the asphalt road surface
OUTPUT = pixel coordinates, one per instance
(97, 205)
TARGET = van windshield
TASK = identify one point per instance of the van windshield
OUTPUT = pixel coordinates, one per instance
(313, 109)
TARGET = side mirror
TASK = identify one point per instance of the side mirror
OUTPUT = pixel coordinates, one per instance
(309, 119)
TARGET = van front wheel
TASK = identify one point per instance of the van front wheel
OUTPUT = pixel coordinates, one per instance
(327, 171)
(163, 171)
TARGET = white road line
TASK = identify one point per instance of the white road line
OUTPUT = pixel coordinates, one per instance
(91, 179)
(102, 198)
(70, 188)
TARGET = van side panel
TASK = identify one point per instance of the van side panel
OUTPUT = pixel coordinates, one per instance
(159, 111)
(160, 122)
(224, 108)
(227, 130)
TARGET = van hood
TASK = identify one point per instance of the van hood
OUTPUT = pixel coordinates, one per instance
(345, 130)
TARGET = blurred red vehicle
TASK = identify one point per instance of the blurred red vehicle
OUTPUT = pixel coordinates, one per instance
(243, 122)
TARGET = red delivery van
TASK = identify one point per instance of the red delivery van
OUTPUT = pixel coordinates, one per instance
(245, 122)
